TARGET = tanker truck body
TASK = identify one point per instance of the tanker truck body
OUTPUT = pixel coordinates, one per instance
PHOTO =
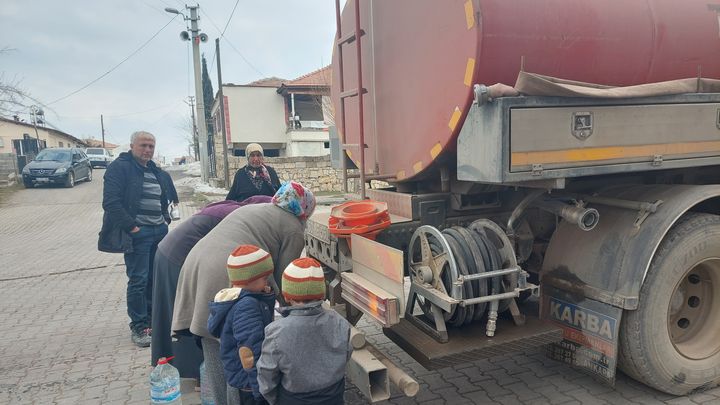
(581, 217)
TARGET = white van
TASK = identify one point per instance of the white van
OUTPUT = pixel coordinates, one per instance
(99, 156)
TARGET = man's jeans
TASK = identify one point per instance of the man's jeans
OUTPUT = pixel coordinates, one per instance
(139, 266)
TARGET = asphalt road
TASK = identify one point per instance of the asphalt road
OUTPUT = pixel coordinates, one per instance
(66, 340)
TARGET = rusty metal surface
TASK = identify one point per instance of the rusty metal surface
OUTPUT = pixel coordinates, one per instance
(399, 204)
(419, 76)
(470, 343)
(609, 263)
(317, 226)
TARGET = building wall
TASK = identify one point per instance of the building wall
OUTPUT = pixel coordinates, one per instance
(308, 143)
(257, 114)
(11, 130)
(57, 141)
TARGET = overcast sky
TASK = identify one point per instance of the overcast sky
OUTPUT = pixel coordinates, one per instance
(57, 47)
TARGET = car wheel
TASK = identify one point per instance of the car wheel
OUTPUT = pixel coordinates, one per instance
(28, 184)
(89, 176)
(70, 180)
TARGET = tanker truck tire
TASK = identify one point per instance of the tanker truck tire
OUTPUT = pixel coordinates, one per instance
(672, 341)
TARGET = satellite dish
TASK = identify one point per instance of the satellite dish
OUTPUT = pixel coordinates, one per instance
(184, 36)
(203, 37)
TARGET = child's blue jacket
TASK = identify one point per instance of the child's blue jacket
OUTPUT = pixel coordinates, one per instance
(240, 325)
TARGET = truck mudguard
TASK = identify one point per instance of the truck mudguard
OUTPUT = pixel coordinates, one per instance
(609, 263)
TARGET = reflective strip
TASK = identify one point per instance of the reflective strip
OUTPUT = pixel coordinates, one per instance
(612, 152)
(435, 150)
(469, 14)
(372, 303)
(454, 118)
(469, 69)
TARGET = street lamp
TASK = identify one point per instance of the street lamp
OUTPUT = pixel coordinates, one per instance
(196, 38)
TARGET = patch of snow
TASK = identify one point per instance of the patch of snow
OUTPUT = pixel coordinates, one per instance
(175, 168)
(192, 169)
(199, 187)
(205, 188)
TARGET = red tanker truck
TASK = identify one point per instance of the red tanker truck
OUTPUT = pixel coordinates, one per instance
(579, 209)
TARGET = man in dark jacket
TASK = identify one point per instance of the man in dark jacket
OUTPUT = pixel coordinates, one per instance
(135, 221)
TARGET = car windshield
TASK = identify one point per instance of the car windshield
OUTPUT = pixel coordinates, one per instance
(59, 155)
(94, 151)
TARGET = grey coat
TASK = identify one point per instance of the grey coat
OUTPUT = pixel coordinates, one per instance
(305, 352)
(204, 272)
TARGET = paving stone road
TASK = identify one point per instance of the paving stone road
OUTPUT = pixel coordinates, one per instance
(66, 340)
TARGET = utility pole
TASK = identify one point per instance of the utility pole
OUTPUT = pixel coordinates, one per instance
(191, 103)
(102, 127)
(221, 105)
(196, 37)
(35, 112)
(200, 105)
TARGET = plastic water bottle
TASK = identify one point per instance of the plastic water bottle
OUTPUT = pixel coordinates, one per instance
(165, 383)
(206, 395)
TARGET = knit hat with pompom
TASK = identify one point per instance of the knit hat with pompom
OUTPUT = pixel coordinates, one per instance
(303, 280)
(248, 263)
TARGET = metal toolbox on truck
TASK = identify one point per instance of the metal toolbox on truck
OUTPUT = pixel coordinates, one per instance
(527, 139)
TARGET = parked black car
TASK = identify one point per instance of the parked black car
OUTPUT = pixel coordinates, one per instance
(57, 165)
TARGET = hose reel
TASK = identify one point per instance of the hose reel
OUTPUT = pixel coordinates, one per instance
(462, 275)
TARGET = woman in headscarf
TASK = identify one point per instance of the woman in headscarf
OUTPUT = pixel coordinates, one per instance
(278, 228)
(255, 178)
(169, 258)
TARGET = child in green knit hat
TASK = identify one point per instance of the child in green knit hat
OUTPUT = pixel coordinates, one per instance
(304, 354)
(239, 315)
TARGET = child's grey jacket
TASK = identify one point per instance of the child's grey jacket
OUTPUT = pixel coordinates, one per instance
(304, 356)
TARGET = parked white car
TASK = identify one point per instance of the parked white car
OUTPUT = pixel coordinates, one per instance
(99, 156)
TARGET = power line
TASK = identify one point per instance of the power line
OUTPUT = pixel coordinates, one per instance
(80, 117)
(245, 59)
(159, 10)
(114, 67)
(222, 34)
(222, 37)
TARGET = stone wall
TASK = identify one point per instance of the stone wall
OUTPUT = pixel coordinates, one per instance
(8, 169)
(314, 172)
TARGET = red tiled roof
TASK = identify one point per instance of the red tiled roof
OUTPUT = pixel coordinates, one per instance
(268, 82)
(320, 77)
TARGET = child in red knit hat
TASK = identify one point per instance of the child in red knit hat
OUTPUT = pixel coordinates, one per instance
(304, 354)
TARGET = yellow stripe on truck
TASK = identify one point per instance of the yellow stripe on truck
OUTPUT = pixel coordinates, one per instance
(435, 151)
(469, 14)
(454, 118)
(469, 69)
(612, 152)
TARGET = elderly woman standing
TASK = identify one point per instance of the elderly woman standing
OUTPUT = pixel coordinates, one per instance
(255, 178)
(277, 228)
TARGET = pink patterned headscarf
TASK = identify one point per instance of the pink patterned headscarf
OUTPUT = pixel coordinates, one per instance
(296, 199)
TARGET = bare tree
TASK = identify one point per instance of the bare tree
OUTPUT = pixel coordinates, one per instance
(13, 99)
(189, 134)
